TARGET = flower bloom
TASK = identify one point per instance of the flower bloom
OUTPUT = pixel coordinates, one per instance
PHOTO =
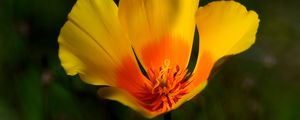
(144, 51)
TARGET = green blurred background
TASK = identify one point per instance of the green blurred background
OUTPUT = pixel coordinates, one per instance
(262, 83)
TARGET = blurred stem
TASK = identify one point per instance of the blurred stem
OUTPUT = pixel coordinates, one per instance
(168, 116)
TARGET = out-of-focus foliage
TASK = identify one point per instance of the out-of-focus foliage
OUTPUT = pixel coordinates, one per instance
(260, 84)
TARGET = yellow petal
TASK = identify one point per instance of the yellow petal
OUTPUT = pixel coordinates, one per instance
(78, 53)
(150, 20)
(91, 42)
(226, 28)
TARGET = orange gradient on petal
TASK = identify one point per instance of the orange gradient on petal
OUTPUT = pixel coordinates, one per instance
(174, 49)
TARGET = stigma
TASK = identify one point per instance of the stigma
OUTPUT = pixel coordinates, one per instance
(168, 85)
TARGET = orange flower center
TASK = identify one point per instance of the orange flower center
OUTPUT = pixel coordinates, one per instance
(158, 76)
(167, 86)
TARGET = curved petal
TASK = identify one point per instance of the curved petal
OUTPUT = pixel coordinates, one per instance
(191, 94)
(151, 21)
(226, 28)
(126, 99)
(119, 95)
(78, 53)
(200, 77)
(91, 42)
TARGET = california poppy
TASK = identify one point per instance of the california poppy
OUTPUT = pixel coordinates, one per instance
(142, 50)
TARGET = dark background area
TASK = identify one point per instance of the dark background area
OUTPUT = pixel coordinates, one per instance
(262, 83)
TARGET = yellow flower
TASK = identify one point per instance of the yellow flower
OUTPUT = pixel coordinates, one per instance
(141, 50)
